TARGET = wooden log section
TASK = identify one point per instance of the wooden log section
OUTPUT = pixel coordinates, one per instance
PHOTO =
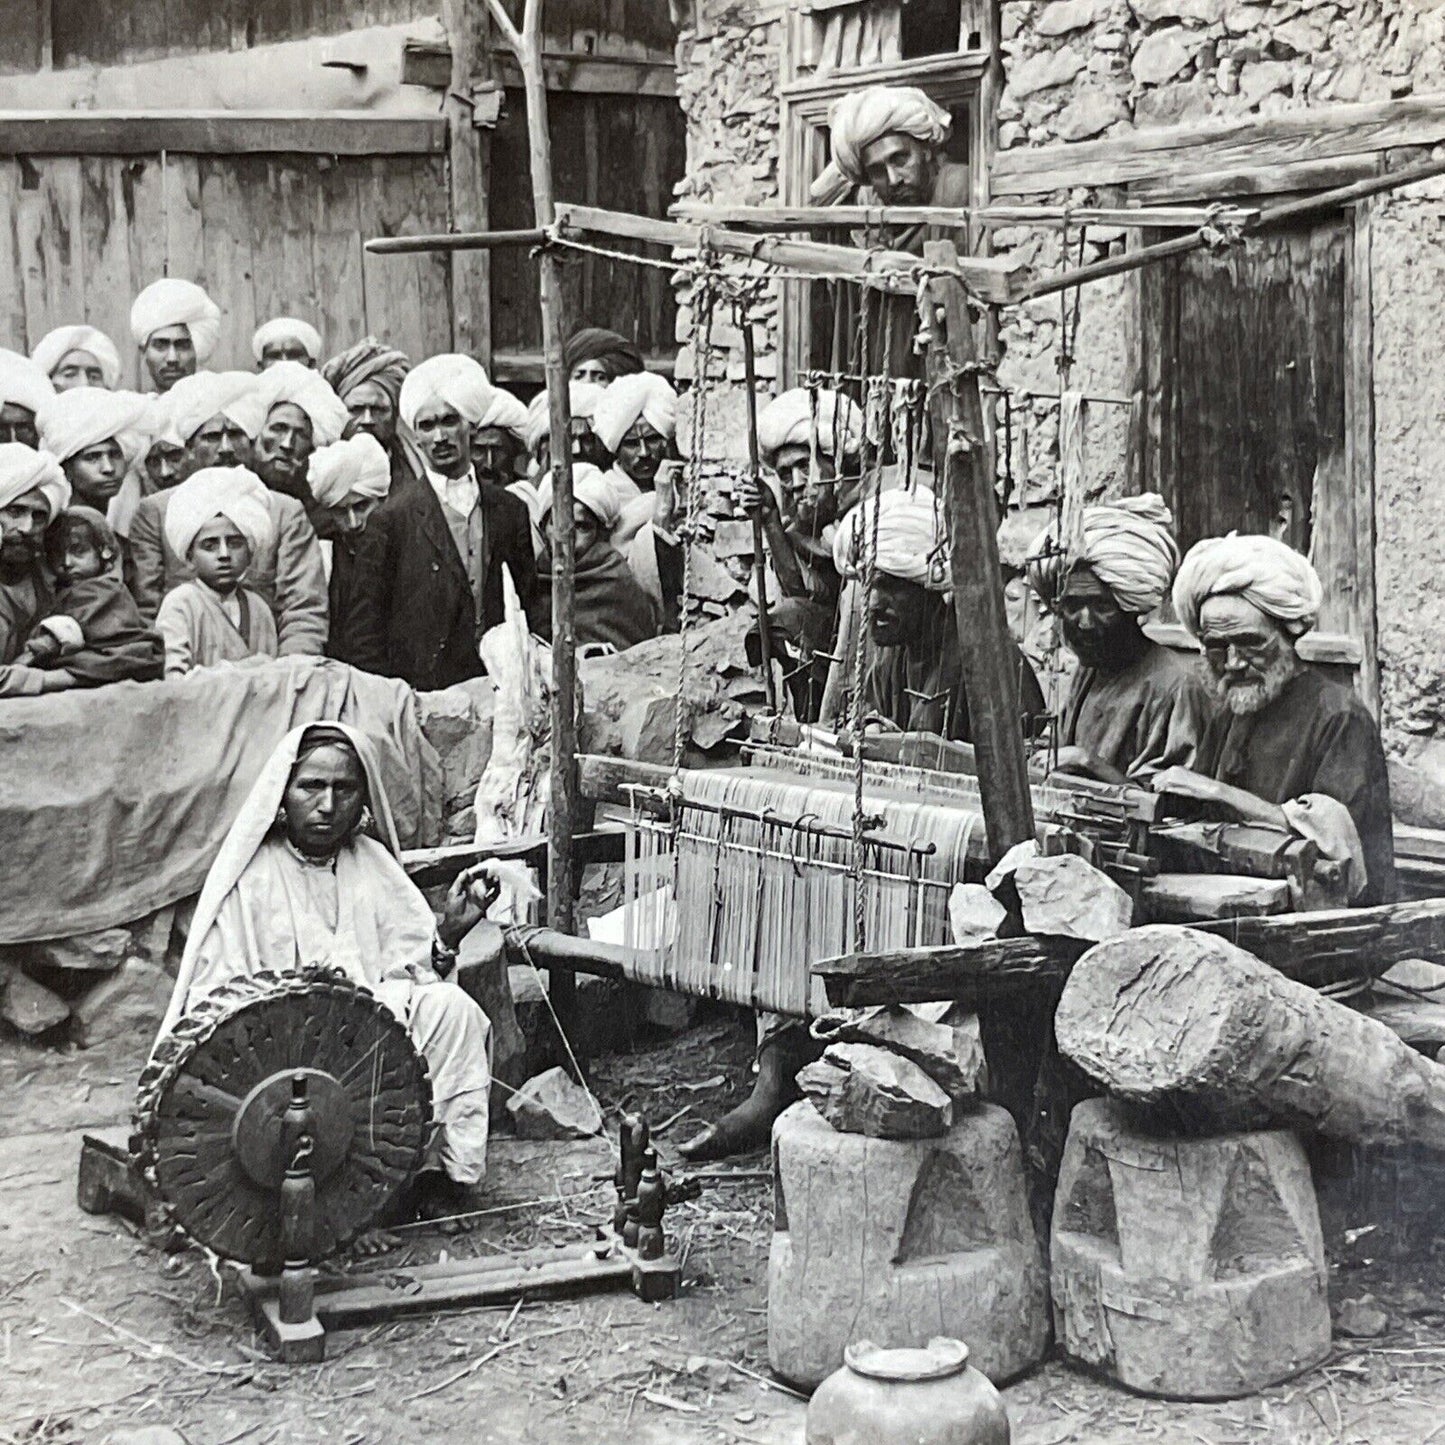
(1175, 1019)
(957, 218)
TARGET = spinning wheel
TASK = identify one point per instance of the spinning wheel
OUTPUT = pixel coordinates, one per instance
(301, 1072)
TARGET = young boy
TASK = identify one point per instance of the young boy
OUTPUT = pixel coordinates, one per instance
(217, 520)
(93, 629)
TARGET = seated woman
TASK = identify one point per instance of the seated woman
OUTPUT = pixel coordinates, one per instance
(300, 881)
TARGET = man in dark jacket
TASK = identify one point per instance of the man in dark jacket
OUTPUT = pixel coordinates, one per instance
(428, 575)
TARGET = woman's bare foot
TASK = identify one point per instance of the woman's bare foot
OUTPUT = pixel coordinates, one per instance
(443, 1200)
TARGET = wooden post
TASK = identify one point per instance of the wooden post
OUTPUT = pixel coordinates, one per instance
(990, 659)
(470, 155)
(760, 563)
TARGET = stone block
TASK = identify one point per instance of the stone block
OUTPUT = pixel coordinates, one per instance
(130, 1003)
(554, 1106)
(951, 1057)
(974, 913)
(1089, 113)
(1191, 1268)
(899, 1241)
(1164, 53)
(1061, 17)
(151, 939)
(1068, 897)
(28, 1006)
(864, 1089)
(1044, 71)
(101, 952)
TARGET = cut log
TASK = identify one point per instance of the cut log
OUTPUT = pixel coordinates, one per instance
(861, 1089)
(1175, 1018)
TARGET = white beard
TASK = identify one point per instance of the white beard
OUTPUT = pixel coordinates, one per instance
(1251, 697)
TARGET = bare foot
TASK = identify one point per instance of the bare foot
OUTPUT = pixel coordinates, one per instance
(372, 1243)
(443, 1200)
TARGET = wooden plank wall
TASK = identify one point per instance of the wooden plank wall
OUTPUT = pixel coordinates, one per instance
(266, 235)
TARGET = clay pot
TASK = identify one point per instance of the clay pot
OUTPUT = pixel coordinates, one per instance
(927, 1396)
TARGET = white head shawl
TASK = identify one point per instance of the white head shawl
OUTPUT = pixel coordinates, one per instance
(286, 328)
(787, 421)
(1265, 572)
(231, 492)
(454, 380)
(22, 383)
(56, 345)
(590, 489)
(582, 399)
(23, 469)
(912, 542)
(1129, 546)
(861, 117)
(194, 400)
(358, 467)
(505, 411)
(173, 302)
(289, 382)
(85, 416)
(642, 396)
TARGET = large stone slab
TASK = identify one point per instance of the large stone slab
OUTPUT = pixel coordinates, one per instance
(128, 1004)
(951, 1057)
(27, 1005)
(554, 1106)
(863, 1089)
(101, 952)
(1067, 896)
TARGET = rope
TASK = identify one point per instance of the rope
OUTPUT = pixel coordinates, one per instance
(520, 934)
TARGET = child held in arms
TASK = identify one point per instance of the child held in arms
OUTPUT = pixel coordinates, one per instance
(93, 630)
(217, 520)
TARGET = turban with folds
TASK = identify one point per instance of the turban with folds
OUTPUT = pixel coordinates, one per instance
(162, 422)
(1129, 546)
(787, 421)
(858, 119)
(617, 354)
(358, 467)
(912, 541)
(367, 361)
(194, 400)
(590, 489)
(452, 380)
(173, 302)
(583, 397)
(235, 493)
(56, 345)
(22, 382)
(289, 382)
(506, 412)
(1265, 572)
(630, 399)
(85, 416)
(286, 328)
(23, 469)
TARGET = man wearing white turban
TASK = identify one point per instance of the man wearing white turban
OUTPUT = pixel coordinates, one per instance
(216, 416)
(499, 438)
(99, 437)
(1286, 746)
(176, 326)
(78, 356)
(24, 389)
(1134, 706)
(302, 413)
(635, 419)
(428, 578)
(286, 338)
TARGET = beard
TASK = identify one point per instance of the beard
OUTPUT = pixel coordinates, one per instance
(1242, 698)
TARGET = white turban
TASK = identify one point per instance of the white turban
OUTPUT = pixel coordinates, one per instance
(194, 400)
(23, 469)
(162, 421)
(912, 539)
(787, 421)
(1265, 572)
(641, 396)
(1129, 546)
(56, 345)
(455, 381)
(286, 328)
(289, 382)
(358, 467)
(590, 489)
(858, 119)
(22, 383)
(505, 411)
(231, 492)
(583, 397)
(85, 416)
(173, 302)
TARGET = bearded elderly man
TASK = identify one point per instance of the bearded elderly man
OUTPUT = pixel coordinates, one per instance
(302, 413)
(24, 389)
(216, 416)
(1288, 746)
(33, 491)
(368, 378)
(176, 326)
(1134, 706)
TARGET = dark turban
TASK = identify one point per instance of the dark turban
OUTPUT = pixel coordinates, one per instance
(595, 343)
(368, 360)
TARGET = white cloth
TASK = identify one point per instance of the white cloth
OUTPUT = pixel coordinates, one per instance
(630, 399)
(505, 411)
(23, 469)
(451, 380)
(358, 467)
(85, 416)
(591, 488)
(1262, 570)
(582, 399)
(194, 400)
(291, 383)
(22, 383)
(231, 492)
(262, 909)
(1128, 544)
(461, 494)
(55, 346)
(174, 302)
(286, 328)
(787, 421)
(911, 538)
(861, 117)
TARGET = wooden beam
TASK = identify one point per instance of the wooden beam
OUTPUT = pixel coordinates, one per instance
(957, 218)
(1276, 180)
(219, 133)
(429, 63)
(453, 241)
(470, 155)
(989, 279)
(433, 867)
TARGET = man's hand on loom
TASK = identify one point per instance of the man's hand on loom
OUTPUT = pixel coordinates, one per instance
(473, 891)
(755, 497)
(1186, 783)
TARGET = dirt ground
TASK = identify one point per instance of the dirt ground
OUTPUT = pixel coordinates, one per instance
(100, 1335)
